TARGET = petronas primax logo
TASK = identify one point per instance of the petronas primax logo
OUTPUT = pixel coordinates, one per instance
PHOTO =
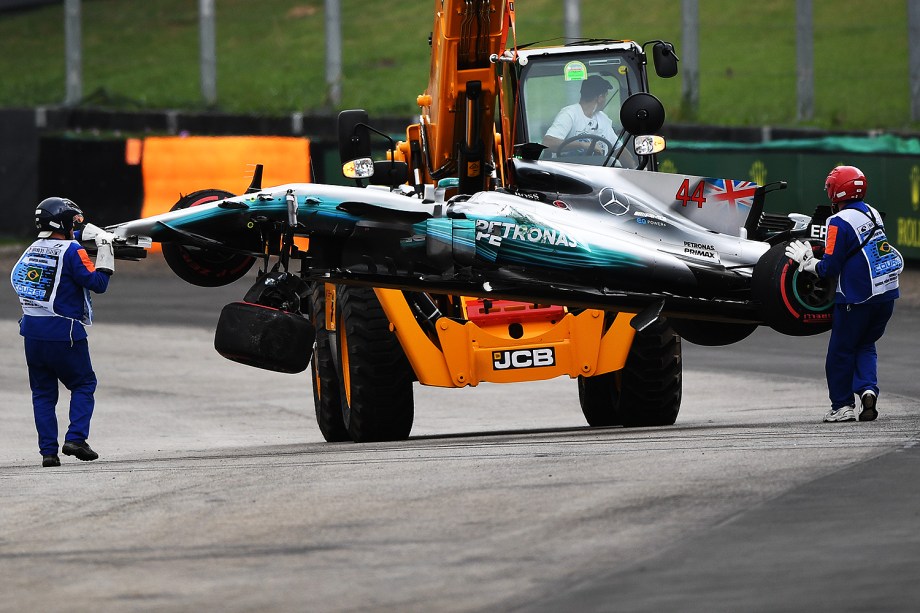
(495, 231)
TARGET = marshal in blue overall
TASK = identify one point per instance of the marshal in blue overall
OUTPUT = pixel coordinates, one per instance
(53, 279)
(866, 266)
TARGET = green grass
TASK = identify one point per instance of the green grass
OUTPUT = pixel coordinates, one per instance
(143, 54)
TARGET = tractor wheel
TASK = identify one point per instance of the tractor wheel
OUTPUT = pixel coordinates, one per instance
(792, 302)
(327, 399)
(374, 375)
(646, 392)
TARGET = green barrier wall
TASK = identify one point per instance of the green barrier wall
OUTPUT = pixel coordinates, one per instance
(894, 178)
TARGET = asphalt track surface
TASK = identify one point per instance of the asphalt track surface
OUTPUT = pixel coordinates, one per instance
(214, 489)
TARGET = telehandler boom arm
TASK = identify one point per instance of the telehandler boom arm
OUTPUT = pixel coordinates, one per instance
(455, 136)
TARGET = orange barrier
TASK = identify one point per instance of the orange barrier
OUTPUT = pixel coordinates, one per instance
(177, 165)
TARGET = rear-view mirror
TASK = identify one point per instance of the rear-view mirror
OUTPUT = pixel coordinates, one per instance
(665, 59)
(354, 136)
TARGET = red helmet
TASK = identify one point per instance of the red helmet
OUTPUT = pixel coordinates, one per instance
(846, 183)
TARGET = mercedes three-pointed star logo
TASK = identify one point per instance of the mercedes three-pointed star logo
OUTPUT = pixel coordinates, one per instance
(613, 203)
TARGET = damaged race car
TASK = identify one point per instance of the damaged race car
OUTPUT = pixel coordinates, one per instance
(698, 250)
(467, 288)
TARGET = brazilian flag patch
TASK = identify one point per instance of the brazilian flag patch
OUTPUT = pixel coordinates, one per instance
(34, 273)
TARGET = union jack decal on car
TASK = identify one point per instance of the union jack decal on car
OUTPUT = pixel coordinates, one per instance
(733, 193)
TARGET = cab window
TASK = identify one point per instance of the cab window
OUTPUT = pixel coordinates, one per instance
(552, 89)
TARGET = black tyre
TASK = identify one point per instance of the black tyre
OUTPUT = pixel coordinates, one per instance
(208, 267)
(327, 398)
(264, 337)
(375, 376)
(792, 302)
(646, 392)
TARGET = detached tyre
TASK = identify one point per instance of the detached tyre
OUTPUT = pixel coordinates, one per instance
(646, 392)
(375, 376)
(792, 302)
(327, 398)
(264, 337)
(211, 267)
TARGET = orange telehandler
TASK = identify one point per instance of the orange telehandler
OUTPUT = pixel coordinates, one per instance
(485, 112)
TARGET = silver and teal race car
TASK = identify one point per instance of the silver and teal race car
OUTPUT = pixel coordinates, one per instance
(698, 250)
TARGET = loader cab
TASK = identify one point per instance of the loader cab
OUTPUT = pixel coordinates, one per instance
(555, 97)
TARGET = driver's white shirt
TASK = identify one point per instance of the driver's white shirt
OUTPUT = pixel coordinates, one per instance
(571, 120)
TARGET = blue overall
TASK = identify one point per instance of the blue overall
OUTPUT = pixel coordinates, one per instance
(864, 302)
(53, 279)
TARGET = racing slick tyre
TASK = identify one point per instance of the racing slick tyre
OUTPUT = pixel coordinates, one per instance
(327, 399)
(374, 375)
(209, 267)
(792, 302)
(646, 392)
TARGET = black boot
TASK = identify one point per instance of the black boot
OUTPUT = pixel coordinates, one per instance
(80, 449)
(50, 460)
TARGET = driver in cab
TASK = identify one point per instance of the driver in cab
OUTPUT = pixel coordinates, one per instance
(584, 119)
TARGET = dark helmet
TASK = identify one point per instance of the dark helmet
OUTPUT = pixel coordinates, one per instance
(56, 215)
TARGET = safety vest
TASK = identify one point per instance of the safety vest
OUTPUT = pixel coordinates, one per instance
(885, 262)
(37, 276)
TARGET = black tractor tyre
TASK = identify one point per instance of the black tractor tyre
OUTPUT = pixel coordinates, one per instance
(327, 397)
(792, 301)
(375, 376)
(207, 267)
(646, 392)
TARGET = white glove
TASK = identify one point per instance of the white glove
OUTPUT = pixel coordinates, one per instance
(95, 233)
(105, 257)
(801, 252)
(105, 249)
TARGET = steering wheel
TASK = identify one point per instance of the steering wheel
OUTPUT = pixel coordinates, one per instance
(592, 139)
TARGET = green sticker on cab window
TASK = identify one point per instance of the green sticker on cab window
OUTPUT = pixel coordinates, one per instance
(575, 71)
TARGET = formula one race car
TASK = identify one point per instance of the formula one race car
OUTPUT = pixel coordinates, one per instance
(586, 271)
(699, 250)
